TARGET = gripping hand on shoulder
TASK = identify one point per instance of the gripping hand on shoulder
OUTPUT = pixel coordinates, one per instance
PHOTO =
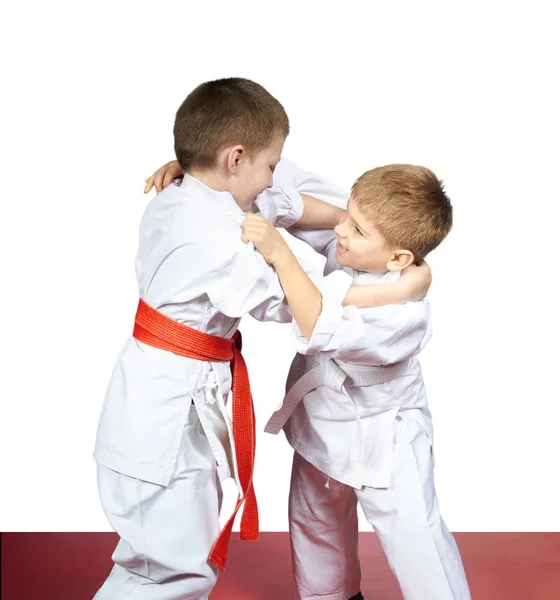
(163, 176)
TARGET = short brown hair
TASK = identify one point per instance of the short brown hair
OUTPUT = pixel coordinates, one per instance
(408, 206)
(223, 112)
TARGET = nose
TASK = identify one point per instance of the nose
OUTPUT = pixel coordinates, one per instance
(340, 229)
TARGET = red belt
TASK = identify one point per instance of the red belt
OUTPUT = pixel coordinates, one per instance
(155, 329)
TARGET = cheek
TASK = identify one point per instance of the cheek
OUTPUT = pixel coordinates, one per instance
(253, 184)
(362, 249)
(259, 181)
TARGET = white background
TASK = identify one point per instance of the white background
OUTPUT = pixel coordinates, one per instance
(90, 91)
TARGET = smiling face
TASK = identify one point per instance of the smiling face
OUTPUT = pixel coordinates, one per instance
(251, 175)
(362, 247)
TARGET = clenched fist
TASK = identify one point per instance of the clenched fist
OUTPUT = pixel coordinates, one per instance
(265, 237)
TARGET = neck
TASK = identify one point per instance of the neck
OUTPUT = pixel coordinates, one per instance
(211, 178)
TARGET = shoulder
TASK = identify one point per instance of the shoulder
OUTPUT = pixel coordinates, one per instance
(188, 220)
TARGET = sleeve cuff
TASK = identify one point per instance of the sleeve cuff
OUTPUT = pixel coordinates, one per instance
(333, 288)
(293, 208)
(281, 206)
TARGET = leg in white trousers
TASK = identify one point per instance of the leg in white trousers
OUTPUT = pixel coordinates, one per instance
(166, 532)
(420, 550)
(323, 534)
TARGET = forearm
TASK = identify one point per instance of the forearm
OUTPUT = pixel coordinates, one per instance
(372, 295)
(304, 299)
(318, 214)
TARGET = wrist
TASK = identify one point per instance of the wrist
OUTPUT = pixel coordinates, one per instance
(339, 214)
(403, 289)
(284, 258)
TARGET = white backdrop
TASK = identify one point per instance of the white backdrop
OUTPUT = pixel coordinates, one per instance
(90, 90)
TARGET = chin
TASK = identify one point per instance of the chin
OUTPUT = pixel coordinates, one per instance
(340, 260)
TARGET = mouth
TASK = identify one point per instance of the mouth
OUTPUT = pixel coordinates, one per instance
(340, 247)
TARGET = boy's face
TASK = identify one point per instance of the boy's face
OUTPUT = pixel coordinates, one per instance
(254, 174)
(360, 244)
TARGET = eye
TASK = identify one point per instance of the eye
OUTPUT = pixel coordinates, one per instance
(357, 230)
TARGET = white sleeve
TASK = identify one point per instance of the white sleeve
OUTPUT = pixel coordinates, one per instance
(282, 206)
(375, 336)
(306, 182)
(288, 174)
(319, 239)
(246, 284)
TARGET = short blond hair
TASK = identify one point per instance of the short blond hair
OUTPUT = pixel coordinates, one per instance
(226, 112)
(408, 206)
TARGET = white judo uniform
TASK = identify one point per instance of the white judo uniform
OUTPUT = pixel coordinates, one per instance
(164, 441)
(357, 417)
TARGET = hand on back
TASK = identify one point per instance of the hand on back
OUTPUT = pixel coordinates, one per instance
(163, 176)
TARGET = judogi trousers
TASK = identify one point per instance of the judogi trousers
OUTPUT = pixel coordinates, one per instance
(324, 527)
(166, 532)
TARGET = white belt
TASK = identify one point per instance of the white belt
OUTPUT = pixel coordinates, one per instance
(206, 395)
(333, 375)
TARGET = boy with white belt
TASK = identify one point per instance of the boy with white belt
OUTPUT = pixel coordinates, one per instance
(356, 412)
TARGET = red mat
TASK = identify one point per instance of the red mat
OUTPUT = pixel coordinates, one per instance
(72, 566)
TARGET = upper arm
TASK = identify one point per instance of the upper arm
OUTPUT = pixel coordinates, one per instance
(243, 283)
(376, 336)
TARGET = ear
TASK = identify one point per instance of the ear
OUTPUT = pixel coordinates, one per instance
(233, 158)
(400, 260)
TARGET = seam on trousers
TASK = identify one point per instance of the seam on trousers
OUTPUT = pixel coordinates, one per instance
(425, 507)
(144, 556)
